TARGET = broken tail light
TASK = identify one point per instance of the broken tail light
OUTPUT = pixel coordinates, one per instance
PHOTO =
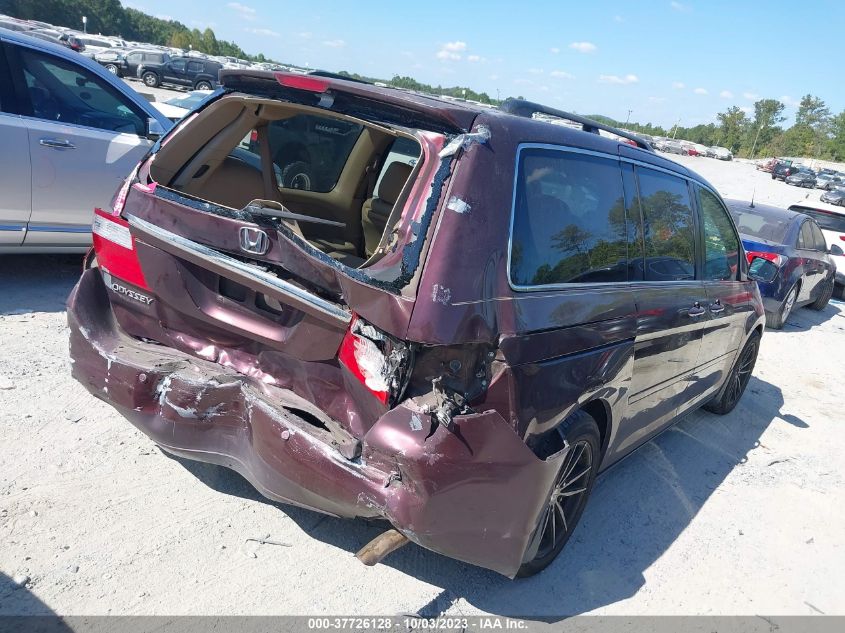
(378, 361)
(119, 200)
(115, 248)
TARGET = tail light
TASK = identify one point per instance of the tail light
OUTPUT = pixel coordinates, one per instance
(777, 260)
(115, 248)
(378, 361)
(302, 82)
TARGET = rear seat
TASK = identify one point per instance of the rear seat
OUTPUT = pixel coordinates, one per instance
(375, 212)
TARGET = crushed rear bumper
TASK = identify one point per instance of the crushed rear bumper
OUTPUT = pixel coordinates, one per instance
(473, 491)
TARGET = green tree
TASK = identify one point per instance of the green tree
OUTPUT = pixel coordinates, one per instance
(836, 145)
(768, 114)
(733, 127)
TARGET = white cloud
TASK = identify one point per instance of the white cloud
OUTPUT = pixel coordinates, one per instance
(476, 59)
(677, 6)
(306, 35)
(679, 85)
(166, 18)
(452, 50)
(561, 74)
(544, 88)
(657, 99)
(521, 81)
(751, 96)
(616, 79)
(618, 19)
(726, 94)
(554, 49)
(264, 32)
(535, 71)
(247, 13)
(334, 43)
(583, 47)
(747, 109)
(700, 91)
(787, 100)
(494, 77)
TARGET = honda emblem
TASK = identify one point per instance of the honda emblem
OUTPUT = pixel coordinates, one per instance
(254, 241)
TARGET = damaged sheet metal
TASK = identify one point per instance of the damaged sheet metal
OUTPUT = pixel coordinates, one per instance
(465, 141)
(458, 206)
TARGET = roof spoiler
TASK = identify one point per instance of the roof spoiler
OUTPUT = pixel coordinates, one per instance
(527, 109)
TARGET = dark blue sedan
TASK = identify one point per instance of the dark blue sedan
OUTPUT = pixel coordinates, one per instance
(787, 255)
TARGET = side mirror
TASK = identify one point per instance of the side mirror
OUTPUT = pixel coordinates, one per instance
(835, 249)
(762, 270)
(155, 130)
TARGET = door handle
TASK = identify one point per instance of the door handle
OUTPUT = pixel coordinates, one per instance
(696, 310)
(716, 307)
(56, 143)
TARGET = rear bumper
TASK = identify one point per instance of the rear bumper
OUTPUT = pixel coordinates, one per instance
(472, 492)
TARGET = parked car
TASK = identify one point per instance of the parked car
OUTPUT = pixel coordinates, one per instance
(125, 63)
(674, 147)
(769, 165)
(722, 153)
(56, 37)
(370, 358)
(177, 107)
(782, 171)
(788, 255)
(802, 178)
(834, 196)
(70, 132)
(98, 44)
(832, 224)
(194, 72)
(827, 180)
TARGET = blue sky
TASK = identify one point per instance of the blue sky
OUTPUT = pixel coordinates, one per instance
(664, 60)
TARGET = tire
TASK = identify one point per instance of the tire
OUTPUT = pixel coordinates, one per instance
(775, 320)
(839, 292)
(151, 79)
(824, 297)
(298, 176)
(737, 380)
(773, 177)
(575, 477)
(202, 85)
(113, 69)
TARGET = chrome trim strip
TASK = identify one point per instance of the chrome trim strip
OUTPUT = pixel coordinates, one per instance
(238, 268)
(13, 227)
(588, 152)
(48, 228)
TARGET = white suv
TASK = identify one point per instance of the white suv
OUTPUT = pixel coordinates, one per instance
(832, 223)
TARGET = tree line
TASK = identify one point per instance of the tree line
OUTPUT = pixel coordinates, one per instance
(816, 133)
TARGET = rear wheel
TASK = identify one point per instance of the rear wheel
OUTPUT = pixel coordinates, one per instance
(570, 491)
(150, 79)
(775, 320)
(298, 176)
(738, 378)
(824, 297)
(202, 85)
(113, 69)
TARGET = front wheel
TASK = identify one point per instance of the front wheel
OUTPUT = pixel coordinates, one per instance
(150, 79)
(737, 380)
(570, 491)
(113, 69)
(824, 297)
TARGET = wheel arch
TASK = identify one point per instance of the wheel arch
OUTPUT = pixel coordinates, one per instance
(600, 411)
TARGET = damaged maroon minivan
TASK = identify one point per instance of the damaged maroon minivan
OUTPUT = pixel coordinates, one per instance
(375, 303)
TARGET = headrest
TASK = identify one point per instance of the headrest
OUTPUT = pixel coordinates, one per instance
(393, 180)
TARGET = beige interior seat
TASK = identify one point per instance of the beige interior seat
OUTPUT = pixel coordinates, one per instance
(234, 184)
(376, 211)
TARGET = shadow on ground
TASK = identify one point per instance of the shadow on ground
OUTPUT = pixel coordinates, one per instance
(805, 319)
(37, 283)
(18, 605)
(637, 510)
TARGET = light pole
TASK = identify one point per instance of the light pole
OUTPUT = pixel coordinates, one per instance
(756, 136)
(675, 128)
(84, 24)
(629, 117)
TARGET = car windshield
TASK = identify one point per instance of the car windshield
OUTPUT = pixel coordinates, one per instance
(762, 223)
(188, 101)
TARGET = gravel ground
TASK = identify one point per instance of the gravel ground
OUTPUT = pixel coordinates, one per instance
(741, 514)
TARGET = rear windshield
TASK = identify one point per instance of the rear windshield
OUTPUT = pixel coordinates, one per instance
(761, 225)
(828, 220)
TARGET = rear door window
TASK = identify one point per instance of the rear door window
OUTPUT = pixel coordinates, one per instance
(668, 226)
(818, 237)
(721, 244)
(195, 67)
(570, 223)
(805, 238)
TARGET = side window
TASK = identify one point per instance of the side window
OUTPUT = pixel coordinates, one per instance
(195, 67)
(134, 58)
(818, 237)
(178, 65)
(721, 244)
(668, 226)
(64, 92)
(569, 224)
(806, 240)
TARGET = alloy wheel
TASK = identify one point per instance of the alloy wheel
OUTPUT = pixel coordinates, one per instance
(568, 495)
(788, 303)
(741, 374)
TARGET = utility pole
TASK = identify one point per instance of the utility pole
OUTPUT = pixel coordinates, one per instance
(84, 24)
(675, 129)
(754, 146)
(629, 117)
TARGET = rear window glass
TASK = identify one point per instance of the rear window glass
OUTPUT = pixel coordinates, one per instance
(827, 220)
(761, 225)
(569, 221)
(668, 226)
(311, 151)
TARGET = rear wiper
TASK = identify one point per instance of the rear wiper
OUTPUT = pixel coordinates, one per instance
(272, 209)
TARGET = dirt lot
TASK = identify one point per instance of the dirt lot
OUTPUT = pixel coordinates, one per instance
(720, 515)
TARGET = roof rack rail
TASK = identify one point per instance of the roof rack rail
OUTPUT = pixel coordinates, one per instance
(527, 109)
